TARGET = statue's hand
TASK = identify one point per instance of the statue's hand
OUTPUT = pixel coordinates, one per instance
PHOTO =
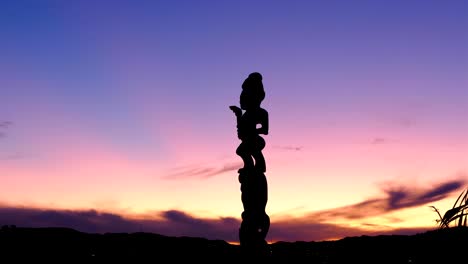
(237, 111)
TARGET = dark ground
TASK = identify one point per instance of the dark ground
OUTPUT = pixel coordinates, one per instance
(42, 245)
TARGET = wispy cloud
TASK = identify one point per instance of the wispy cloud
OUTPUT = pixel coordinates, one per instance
(201, 171)
(293, 148)
(3, 126)
(170, 223)
(396, 197)
(303, 229)
(16, 156)
(179, 223)
(379, 140)
(406, 122)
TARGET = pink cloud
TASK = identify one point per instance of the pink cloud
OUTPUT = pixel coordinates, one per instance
(396, 198)
(201, 171)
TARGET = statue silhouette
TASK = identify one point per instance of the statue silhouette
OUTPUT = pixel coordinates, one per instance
(255, 222)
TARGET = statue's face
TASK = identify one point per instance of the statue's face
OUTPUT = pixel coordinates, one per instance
(248, 100)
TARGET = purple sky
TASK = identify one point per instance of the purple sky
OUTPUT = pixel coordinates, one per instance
(122, 107)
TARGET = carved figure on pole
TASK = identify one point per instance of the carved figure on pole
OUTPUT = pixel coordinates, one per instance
(253, 121)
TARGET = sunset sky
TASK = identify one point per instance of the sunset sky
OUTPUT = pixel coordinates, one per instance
(114, 114)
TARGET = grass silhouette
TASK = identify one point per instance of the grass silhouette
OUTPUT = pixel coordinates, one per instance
(457, 216)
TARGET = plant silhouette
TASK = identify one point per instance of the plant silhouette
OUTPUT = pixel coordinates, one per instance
(458, 214)
(255, 222)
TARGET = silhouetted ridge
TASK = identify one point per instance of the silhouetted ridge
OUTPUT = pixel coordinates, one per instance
(66, 245)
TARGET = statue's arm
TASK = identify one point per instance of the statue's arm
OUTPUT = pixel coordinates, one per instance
(237, 111)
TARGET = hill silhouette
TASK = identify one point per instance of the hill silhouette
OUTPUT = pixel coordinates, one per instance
(65, 245)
